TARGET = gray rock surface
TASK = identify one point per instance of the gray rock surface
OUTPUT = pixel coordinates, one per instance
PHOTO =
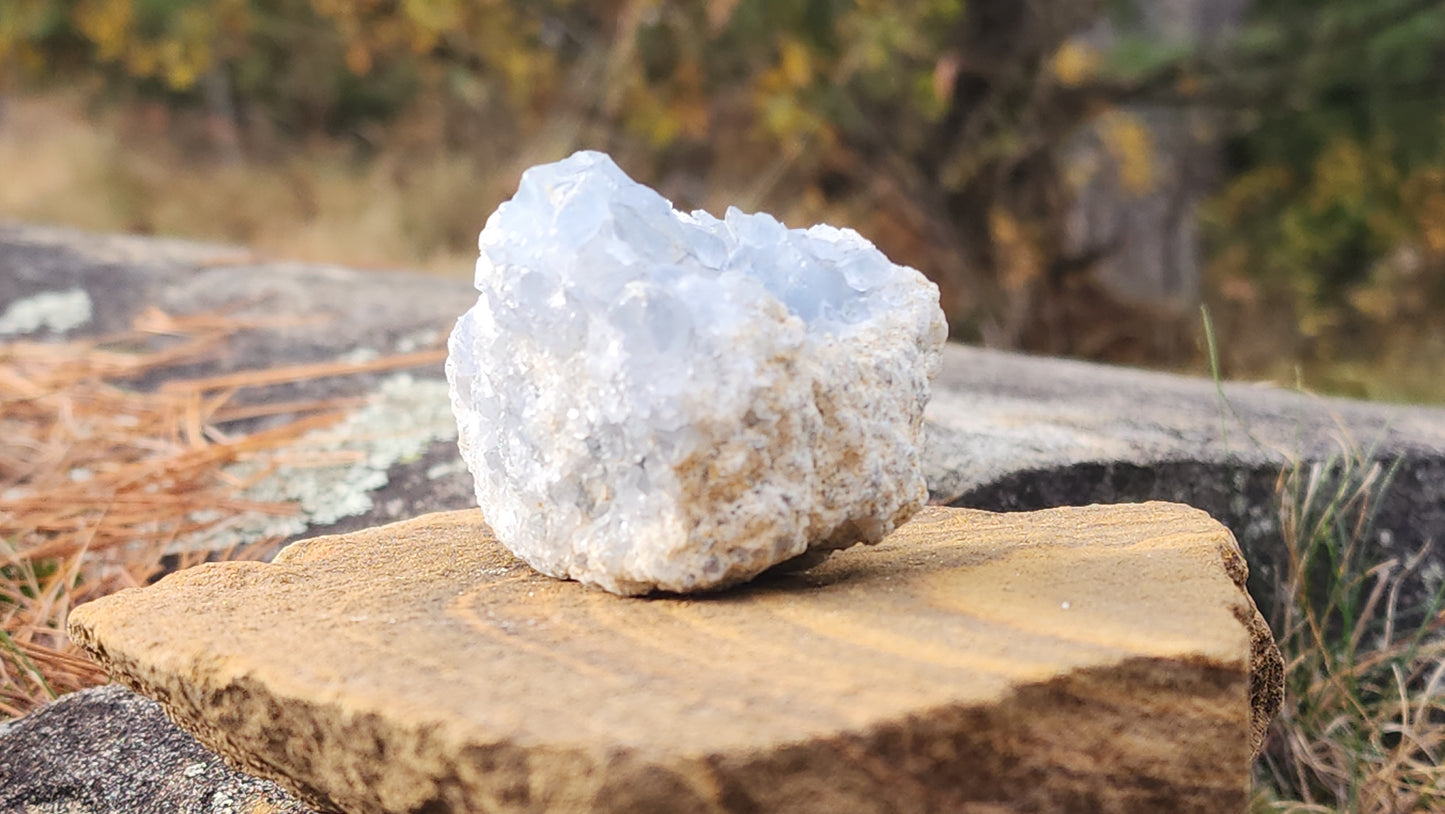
(1005, 432)
(334, 313)
(1010, 433)
(107, 750)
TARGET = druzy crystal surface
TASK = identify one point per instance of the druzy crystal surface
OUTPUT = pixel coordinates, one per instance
(653, 400)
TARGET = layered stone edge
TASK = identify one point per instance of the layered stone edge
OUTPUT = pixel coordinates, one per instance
(1025, 749)
(929, 761)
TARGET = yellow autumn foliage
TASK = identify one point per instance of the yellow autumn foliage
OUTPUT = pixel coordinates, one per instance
(1131, 145)
(1075, 64)
(1424, 193)
(175, 47)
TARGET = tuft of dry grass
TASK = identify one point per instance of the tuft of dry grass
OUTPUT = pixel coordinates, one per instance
(98, 481)
(1362, 727)
(1362, 724)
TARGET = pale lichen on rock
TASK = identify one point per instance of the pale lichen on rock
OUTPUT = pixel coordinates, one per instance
(332, 473)
(57, 311)
(653, 400)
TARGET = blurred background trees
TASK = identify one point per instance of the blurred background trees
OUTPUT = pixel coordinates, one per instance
(1079, 177)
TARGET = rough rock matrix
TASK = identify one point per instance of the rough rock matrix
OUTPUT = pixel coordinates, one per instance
(650, 400)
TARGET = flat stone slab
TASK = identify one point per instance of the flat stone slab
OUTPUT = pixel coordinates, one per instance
(1094, 658)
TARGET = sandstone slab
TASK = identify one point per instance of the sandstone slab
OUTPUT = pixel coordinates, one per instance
(1096, 658)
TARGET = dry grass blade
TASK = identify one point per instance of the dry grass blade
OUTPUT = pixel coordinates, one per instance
(98, 482)
(1362, 728)
(257, 378)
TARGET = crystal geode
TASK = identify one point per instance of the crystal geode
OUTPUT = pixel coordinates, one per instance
(652, 400)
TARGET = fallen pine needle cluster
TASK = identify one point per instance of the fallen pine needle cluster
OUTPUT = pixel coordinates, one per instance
(102, 477)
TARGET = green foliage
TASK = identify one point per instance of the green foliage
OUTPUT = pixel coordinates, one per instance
(302, 65)
(27, 575)
(665, 72)
(801, 71)
(1334, 202)
(1330, 219)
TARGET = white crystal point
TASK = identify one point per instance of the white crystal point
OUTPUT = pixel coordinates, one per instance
(651, 400)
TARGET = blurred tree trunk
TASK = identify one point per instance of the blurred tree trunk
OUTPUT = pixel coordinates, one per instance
(221, 123)
(1076, 216)
(994, 155)
(1149, 227)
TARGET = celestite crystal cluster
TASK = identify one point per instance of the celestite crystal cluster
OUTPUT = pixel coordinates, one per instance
(652, 400)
